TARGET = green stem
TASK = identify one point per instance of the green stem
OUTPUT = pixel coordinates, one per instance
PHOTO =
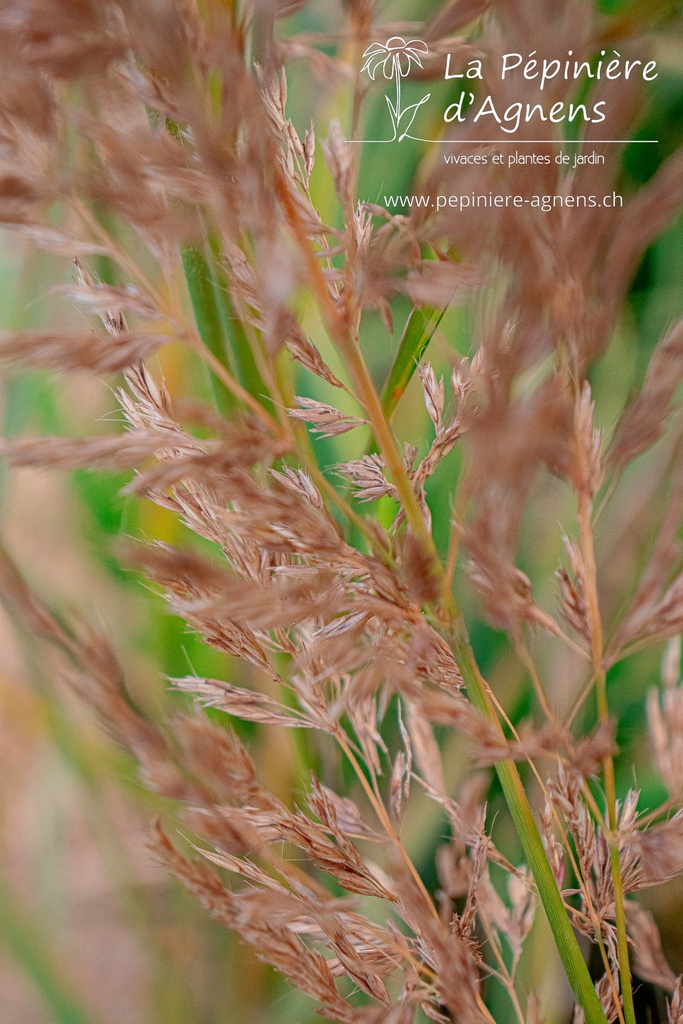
(549, 893)
(551, 898)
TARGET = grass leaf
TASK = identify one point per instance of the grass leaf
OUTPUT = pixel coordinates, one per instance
(419, 330)
(567, 944)
(201, 286)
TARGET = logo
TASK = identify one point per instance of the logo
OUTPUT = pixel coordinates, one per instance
(395, 58)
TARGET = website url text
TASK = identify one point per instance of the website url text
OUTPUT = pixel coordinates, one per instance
(472, 201)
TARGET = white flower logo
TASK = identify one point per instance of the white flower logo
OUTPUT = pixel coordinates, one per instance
(395, 58)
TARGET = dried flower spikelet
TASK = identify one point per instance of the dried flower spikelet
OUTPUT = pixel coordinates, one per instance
(586, 471)
(74, 352)
(326, 420)
(643, 422)
(477, 863)
(505, 589)
(641, 618)
(248, 705)
(309, 151)
(399, 786)
(267, 917)
(665, 722)
(360, 229)
(115, 452)
(553, 849)
(410, 453)
(572, 600)
(523, 909)
(367, 476)
(605, 989)
(434, 394)
(427, 753)
(658, 851)
(338, 812)
(301, 483)
(565, 794)
(340, 160)
(674, 1007)
(420, 570)
(460, 380)
(649, 962)
(305, 352)
(114, 322)
(25, 606)
(648, 617)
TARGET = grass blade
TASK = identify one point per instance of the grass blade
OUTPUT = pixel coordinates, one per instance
(548, 891)
(419, 330)
(220, 329)
(247, 369)
(200, 284)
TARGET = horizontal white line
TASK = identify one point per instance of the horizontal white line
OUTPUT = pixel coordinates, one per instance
(549, 142)
(513, 142)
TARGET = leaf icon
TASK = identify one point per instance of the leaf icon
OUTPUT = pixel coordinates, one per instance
(414, 107)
